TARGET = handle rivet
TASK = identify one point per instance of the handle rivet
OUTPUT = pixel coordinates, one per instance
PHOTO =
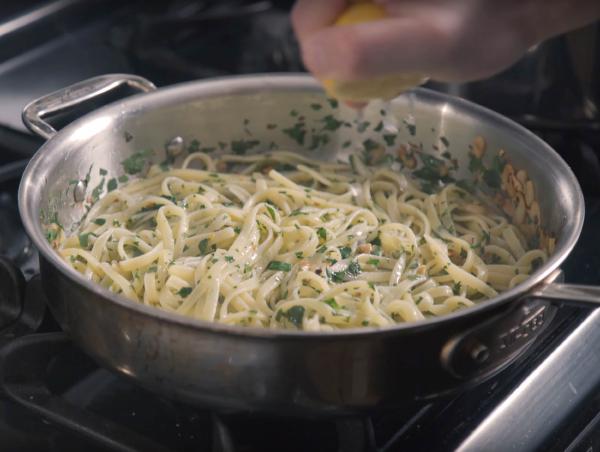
(79, 191)
(175, 147)
(480, 353)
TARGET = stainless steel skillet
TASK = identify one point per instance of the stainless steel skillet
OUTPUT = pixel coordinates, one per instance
(234, 367)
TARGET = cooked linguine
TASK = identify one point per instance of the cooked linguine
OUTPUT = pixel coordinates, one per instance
(277, 240)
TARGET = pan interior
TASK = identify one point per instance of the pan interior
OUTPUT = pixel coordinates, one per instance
(259, 114)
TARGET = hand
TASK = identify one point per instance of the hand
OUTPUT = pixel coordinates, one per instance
(449, 40)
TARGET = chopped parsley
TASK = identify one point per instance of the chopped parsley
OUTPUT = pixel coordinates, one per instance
(390, 139)
(350, 272)
(456, 287)
(112, 184)
(97, 191)
(229, 259)
(493, 175)
(412, 128)
(485, 239)
(84, 239)
(135, 163)
(295, 315)
(318, 140)
(203, 246)
(240, 147)
(322, 233)
(271, 212)
(51, 235)
(150, 207)
(369, 146)
(373, 262)
(475, 164)
(331, 123)
(331, 302)
(99, 221)
(345, 252)
(184, 292)
(432, 170)
(193, 146)
(297, 132)
(299, 254)
(279, 266)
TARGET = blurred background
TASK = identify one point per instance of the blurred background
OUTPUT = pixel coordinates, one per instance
(48, 44)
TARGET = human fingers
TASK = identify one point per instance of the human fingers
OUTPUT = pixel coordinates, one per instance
(309, 16)
(372, 49)
(447, 45)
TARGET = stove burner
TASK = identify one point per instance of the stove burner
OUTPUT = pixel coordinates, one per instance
(49, 376)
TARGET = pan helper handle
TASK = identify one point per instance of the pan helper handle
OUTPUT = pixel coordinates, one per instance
(501, 339)
(570, 294)
(67, 98)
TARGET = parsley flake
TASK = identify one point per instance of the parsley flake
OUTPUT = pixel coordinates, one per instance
(279, 266)
(322, 233)
(203, 246)
(345, 252)
(184, 292)
(331, 302)
(135, 163)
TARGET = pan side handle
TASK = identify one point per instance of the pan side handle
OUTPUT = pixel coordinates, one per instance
(498, 341)
(569, 294)
(66, 98)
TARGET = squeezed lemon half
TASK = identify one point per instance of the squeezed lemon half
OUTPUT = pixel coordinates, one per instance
(385, 87)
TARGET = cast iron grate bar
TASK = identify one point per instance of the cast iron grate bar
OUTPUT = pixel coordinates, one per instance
(20, 380)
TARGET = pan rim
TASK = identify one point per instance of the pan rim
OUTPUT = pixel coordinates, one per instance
(246, 84)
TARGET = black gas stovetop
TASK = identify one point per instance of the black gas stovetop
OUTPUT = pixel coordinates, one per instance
(54, 397)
